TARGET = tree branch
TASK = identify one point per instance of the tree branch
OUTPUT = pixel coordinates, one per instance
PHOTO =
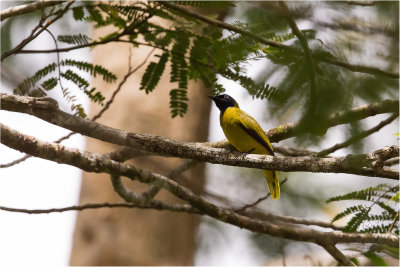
(98, 115)
(386, 106)
(93, 162)
(47, 109)
(339, 256)
(23, 9)
(35, 32)
(357, 137)
(155, 205)
(223, 25)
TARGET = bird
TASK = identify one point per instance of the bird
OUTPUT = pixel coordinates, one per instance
(246, 135)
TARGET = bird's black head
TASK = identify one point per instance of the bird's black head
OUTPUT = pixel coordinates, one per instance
(224, 101)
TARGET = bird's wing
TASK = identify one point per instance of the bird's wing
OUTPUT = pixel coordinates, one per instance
(251, 126)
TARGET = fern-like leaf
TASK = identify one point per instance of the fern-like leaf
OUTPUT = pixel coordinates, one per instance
(50, 84)
(75, 78)
(78, 13)
(24, 87)
(367, 194)
(94, 70)
(348, 211)
(178, 62)
(382, 228)
(95, 96)
(153, 74)
(77, 39)
(178, 105)
(363, 220)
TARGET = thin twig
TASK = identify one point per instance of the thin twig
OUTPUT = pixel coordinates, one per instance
(97, 116)
(391, 162)
(35, 33)
(393, 223)
(14, 162)
(130, 72)
(339, 256)
(157, 205)
(357, 137)
(304, 44)
(58, 60)
(245, 207)
(184, 166)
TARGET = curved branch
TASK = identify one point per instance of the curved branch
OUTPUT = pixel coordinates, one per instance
(28, 8)
(98, 115)
(35, 32)
(47, 109)
(93, 162)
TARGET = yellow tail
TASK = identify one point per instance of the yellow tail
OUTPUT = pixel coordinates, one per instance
(273, 183)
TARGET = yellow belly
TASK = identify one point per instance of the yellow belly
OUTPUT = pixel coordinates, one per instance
(241, 140)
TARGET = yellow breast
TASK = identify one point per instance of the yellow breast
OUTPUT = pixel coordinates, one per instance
(230, 122)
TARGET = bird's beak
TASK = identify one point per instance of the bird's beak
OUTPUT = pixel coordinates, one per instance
(212, 97)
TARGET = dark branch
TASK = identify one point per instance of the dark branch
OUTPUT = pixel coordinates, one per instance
(93, 162)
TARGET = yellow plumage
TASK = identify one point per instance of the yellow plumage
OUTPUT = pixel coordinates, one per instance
(246, 135)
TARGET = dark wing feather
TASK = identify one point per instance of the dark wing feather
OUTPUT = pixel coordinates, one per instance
(258, 138)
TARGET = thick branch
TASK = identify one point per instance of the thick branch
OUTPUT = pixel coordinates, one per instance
(101, 112)
(93, 162)
(23, 9)
(46, 109)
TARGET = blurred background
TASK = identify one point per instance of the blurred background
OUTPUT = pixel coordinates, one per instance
(360, 34)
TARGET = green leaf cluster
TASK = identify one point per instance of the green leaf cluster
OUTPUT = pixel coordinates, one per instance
(364, 218)
(30, 85)
(198, 51)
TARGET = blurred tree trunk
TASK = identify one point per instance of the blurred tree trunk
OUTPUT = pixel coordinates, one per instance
(134, 236)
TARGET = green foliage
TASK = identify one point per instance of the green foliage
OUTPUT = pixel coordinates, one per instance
(76, 39)
(30, 82)
(375, 259)
(78, 13)
(75, 78)
(199, 51)
(153, 74)
(179, 73)
(94, 70)
(49, 84)
(29, 85)
(363, 219)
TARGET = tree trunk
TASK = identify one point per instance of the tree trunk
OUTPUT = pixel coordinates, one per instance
(134, 236)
